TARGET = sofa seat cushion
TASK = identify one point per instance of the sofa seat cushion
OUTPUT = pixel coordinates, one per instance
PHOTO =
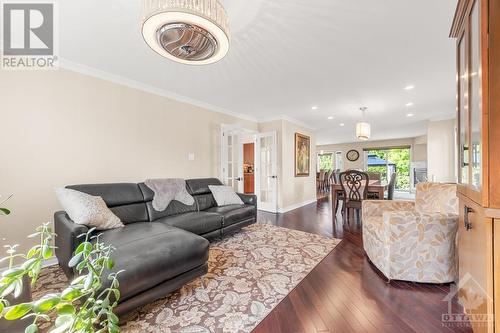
(199, 223)
(152, 253)
(234, 213)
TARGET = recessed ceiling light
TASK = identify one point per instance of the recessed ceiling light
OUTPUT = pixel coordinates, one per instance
(410, 115)
(342, 124)
(409, 87)
(330, 118)
(314, 107)
(409, 104)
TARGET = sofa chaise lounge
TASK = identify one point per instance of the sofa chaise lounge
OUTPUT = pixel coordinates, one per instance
(158, 251)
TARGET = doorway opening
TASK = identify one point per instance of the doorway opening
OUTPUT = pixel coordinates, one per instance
(386, 161)
(248, 168)
(249, 164)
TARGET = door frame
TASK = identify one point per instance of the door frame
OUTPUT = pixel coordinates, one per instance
(271, 207)
(238, 131)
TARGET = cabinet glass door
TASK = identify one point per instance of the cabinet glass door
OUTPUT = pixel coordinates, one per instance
(463, 112)
(475, 97)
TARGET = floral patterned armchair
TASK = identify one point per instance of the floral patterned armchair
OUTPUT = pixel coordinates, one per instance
(414, 241)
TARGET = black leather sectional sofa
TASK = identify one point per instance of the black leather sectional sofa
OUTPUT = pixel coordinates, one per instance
(158, 251)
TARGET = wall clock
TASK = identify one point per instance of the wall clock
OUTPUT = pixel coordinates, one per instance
(352, 155)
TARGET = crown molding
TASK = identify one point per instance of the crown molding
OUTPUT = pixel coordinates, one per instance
(289, 119)
(106, 76)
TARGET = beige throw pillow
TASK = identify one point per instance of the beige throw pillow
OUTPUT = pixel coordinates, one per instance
(225, 195)
(88, 210)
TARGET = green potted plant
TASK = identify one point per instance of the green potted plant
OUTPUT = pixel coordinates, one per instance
(85, 306)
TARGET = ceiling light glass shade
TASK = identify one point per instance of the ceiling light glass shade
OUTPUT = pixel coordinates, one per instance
(194, 32)
(363, 131)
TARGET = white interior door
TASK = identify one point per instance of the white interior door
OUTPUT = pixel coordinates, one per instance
(232, 157)
(266, 179)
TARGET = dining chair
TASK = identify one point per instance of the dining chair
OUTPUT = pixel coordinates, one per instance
(328, 180)
(355, 187)
(391, 187)
(321, 181)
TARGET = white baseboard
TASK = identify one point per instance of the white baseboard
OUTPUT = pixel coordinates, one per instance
(295, 206)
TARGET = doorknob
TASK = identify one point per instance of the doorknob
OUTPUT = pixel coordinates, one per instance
(273, 177)
(239, 179)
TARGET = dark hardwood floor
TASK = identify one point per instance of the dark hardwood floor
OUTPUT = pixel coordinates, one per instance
(345, 293)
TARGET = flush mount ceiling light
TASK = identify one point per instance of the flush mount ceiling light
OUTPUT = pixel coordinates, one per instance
(194, 32)
(363, 129)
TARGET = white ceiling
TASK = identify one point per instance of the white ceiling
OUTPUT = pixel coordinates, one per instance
(289, 55)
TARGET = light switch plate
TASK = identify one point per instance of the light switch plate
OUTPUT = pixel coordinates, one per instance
(191, 156)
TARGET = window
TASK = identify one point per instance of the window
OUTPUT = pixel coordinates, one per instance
(325, 161)
(339, 162)
(386, 161)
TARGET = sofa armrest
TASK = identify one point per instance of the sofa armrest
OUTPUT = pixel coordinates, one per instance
(67, 240)
(372, 208)
(248, 199)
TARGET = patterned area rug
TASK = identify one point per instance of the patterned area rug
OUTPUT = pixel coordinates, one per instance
(249, 274)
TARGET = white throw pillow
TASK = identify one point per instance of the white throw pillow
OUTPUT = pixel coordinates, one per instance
(87, 209)
(225, 195)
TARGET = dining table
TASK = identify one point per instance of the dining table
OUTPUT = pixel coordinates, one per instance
(374, 187)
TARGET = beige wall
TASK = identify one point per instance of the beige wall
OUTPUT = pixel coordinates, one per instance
(441, 149)
(292, 191)
(419, 151)
(297, 190)
(61, 128)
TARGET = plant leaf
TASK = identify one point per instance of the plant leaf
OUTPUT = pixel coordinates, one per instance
(109, 263)
(4, 211)
(63, 323)
(18, 311)
(13, 272)
(65, 309)
(88, 281)
(75, 260)
(18, 288)
(8, 289)
(112, 328)
(33, 328)
(113, 318)
(70, 294)
(46, 303)
(46, 252)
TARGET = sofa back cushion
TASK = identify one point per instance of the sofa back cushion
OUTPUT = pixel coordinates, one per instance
(125, 200)
(436, 198)
(198, 188)
(174, 208)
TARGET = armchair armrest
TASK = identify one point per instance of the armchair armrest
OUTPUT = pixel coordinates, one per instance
(67, 239)
(248, 199)
(376, 208)
(424, 241)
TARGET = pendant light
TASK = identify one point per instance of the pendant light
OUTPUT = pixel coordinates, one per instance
(363, 129)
